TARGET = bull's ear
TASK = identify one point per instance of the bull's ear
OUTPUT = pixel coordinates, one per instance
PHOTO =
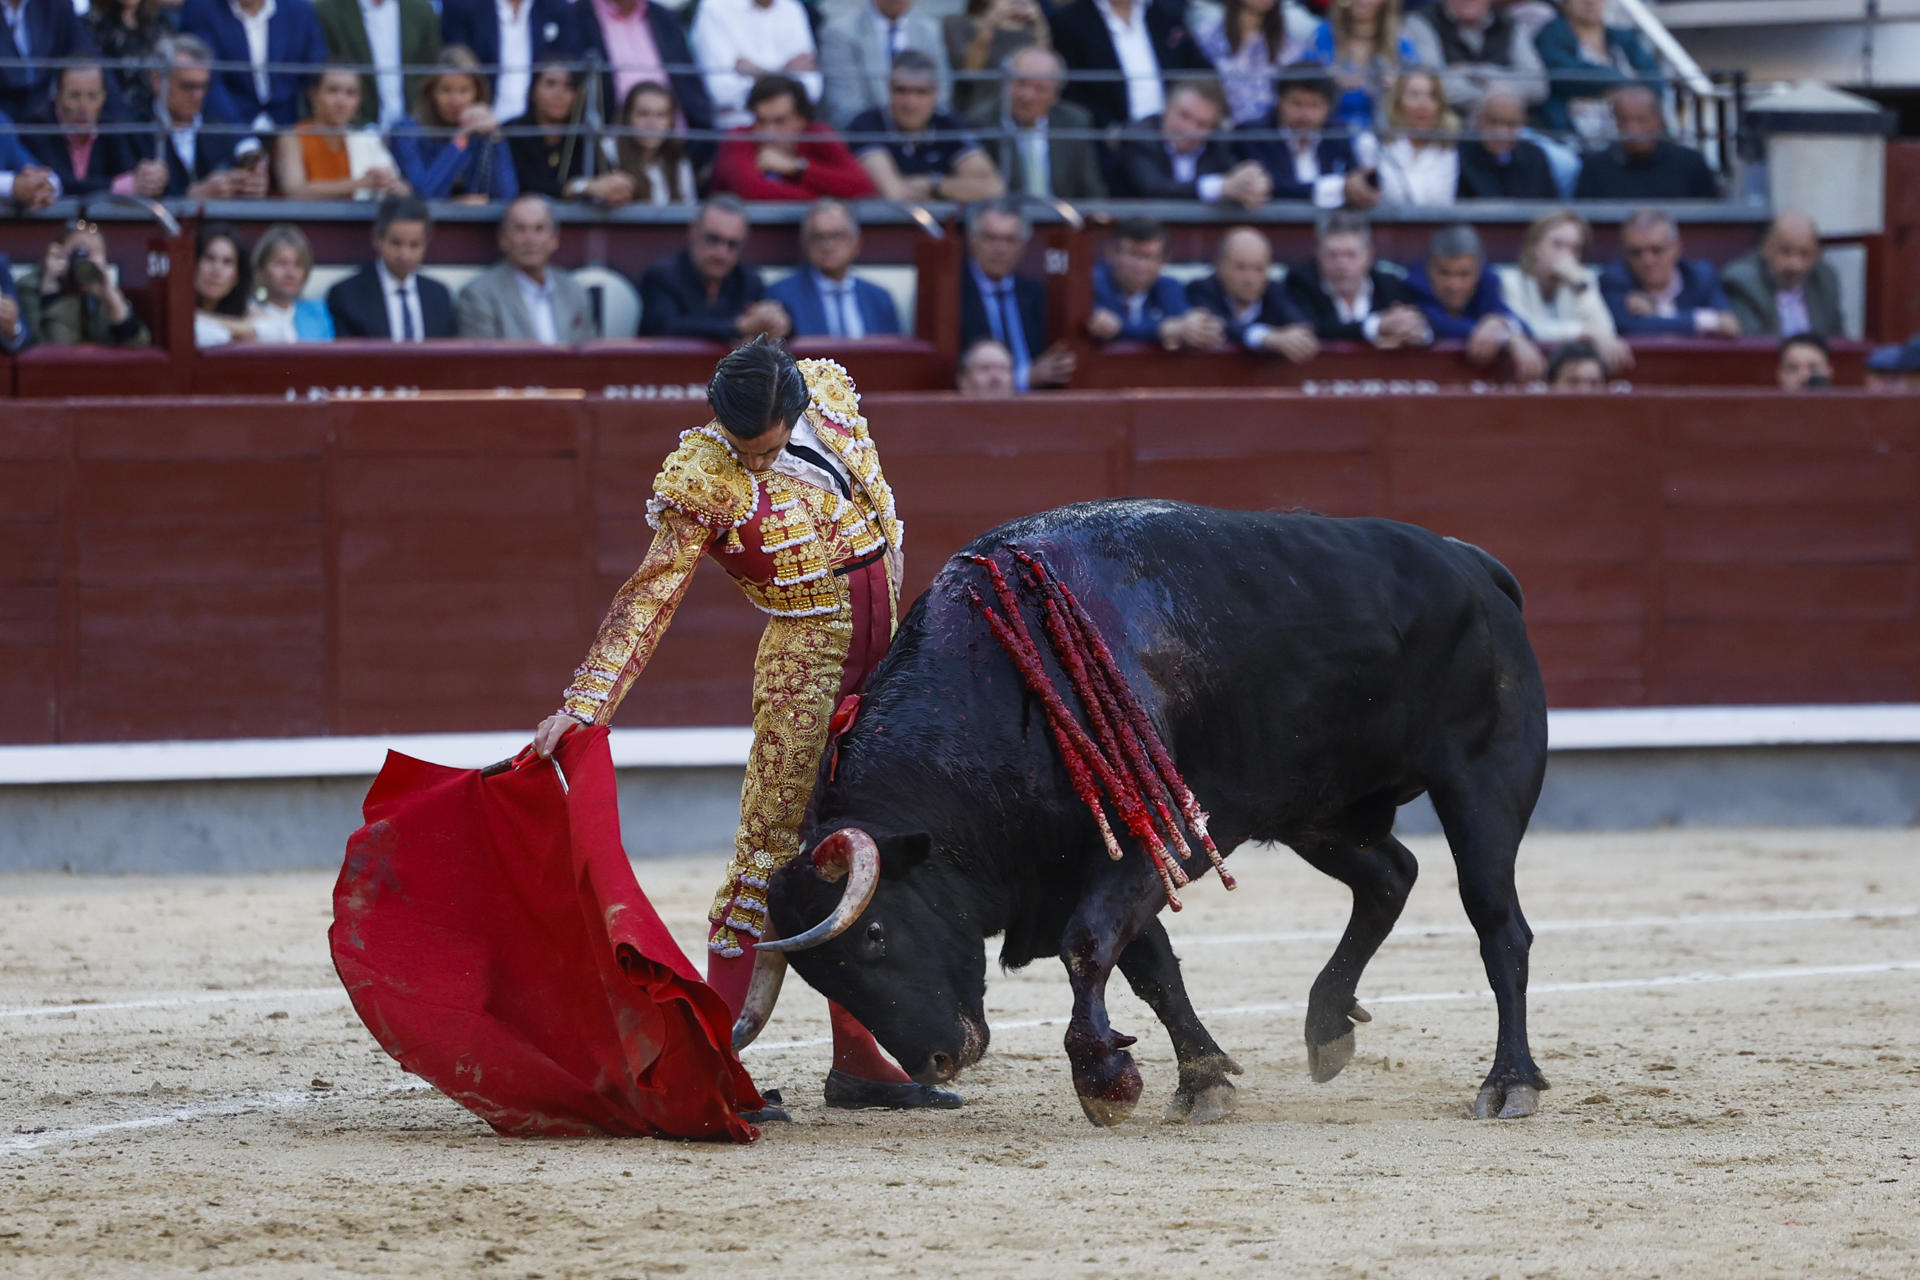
(901, 854)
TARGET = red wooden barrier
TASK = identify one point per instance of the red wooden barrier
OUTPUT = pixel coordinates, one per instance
(220, 568)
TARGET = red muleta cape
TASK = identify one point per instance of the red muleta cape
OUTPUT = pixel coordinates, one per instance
(494, 940)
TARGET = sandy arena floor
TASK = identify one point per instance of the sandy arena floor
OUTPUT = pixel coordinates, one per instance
(1731, 1022)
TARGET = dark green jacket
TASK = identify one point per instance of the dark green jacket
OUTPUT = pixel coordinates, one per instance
(67, 319)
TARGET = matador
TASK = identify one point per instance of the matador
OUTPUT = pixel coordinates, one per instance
(784, 490)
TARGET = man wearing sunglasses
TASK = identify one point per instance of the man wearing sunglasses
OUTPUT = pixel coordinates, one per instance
(703, 291)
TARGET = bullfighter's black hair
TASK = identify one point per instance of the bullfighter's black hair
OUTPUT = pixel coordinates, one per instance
(756, 389)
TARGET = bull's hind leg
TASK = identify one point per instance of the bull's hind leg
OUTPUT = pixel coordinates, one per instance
(1153, 971)
(1484, 814)
(1380, 871)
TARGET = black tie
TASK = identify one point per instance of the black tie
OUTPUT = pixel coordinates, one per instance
(406, 316)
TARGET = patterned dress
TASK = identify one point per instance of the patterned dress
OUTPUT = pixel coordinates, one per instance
(820, 555)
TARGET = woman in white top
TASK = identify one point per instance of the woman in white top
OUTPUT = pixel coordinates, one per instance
(1420, 160)
(282, 261)
(647, 161)
(1555, 295)
(221, 285)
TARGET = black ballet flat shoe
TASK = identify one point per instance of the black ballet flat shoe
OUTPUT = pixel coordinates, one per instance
(772, 1113)
(852, 1093)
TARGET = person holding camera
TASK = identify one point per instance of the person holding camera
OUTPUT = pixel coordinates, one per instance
(71, 298)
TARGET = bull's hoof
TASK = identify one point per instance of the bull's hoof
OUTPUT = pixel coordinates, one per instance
(1216, 1101)
(1111, 1097)
(1506, 1102)
(1325, 1061)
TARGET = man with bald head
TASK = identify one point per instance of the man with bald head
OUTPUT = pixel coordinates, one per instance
(1496, 163)
(1252, 306)
(1644, 164)
(1784, 287)
(1043, 143)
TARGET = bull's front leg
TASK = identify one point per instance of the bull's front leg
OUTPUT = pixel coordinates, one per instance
(1111, 914)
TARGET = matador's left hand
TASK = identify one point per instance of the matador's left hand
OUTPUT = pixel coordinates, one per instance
(555, 727)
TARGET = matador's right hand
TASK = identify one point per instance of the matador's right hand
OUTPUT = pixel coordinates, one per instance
(555, 727)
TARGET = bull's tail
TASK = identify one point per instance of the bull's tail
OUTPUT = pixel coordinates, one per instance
(1502, 576)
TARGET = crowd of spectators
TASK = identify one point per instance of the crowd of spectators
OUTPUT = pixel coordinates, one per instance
(1407, 102)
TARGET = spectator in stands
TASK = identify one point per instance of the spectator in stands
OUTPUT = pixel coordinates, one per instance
(1134, 302)
(546, 140)
(1045, 150)
(386, 35)
(997, 302)
(1894, 368)
(1137, 44)
(282, 263)
(251, 40)
(222, 284)
(1460, 296)
(1576, 367)
(1253, 307)
(858, 56)
(650, 164)
(512, 36)
(71, 297)
(389, 298)
(451, 146)
(1644, 164)
(1497, 163)
(28, 184)
(703, 291)
(745, 41)
(825, 297)
(38, 34)
(1181, 155)
(914, 152)
(1554, 292)
(1304, 161)
(1349, 297)
(986, 369)
(1420, 163)
(1362, 43)
(525, 297)
(1248, 45)
(1785, 287)
(1479, 48)
(1806, 363)
(1585, 60)
(203, 163)
(326, 157)
(1653, 288)
(15, 334)
(83, 158)
(644, 42)
(128, 34)
(786, 154)
(979, 43)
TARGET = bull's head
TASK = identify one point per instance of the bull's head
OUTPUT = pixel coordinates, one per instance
(864, 930)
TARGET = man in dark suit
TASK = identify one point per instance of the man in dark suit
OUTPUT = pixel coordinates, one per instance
(825, 297)
(42, 31)
(389, 298)
(1460, 297)
(293, 36)
(407, 35)
(660, 24)
(1644, 164)
(1156, 44)
(1785, 288)
(1653, 287)
(1043, 148)
(81, 157)
(1349, 297)
(1178, 156)
(703, 291)
(1252, 306)
(1303, 162)
(1497, 163)
(996, 302)
(202, 163)
(1133, 301)
(23, 179)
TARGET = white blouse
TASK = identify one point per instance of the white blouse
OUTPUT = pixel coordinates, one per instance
(1570, 314)
(1419, 175)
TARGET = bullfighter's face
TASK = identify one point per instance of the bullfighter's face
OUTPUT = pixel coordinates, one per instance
(909, 967)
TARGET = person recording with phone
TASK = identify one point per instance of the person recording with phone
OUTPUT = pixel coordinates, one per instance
(71, 297)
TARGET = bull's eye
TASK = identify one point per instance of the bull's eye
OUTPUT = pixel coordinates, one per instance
(876, 940)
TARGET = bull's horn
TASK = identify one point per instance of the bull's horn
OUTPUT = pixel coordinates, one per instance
(848, 852)
(763, 992)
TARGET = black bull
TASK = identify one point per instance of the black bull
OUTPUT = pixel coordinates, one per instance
(1308, 674)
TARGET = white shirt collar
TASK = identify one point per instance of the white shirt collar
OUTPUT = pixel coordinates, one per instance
(389, 282)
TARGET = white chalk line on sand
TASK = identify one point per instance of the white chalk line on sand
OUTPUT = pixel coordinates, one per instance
(1574, 924)
(288, 1100)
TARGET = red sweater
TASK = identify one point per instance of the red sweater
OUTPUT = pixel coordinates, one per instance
(831, 169)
